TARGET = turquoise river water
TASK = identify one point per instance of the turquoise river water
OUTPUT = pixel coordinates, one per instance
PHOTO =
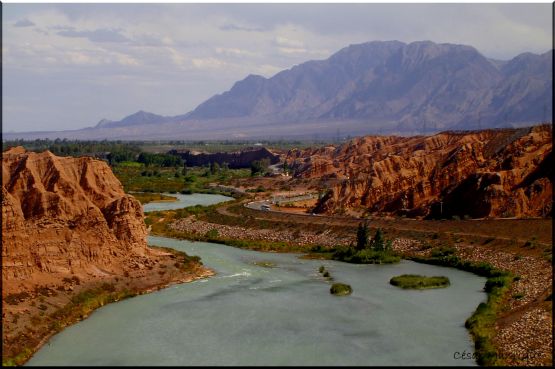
(281, 315)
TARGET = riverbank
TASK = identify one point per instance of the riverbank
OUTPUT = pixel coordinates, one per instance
(145, 197)
(520, 330)
(29, 320)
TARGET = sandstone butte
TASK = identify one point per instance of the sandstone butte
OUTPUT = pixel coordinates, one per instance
(489, 173)
(68, 219)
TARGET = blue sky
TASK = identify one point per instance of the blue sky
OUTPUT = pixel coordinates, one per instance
(67, 66)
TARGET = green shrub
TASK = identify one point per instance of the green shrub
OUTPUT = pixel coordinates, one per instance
(213, 233)
(442, 251)
(340, 289)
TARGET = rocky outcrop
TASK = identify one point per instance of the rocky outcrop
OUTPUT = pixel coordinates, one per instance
(489, 173)
(64, 216)
(235, 160)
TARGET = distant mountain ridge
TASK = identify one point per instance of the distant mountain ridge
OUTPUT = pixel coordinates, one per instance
(442, 85)
(378, 86)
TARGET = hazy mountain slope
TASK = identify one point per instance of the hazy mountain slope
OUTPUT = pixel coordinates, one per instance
(409, 85)
(374, 87)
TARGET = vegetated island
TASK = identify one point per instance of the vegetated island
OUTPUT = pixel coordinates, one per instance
(419, 282)
(337, 289)
(341, 289)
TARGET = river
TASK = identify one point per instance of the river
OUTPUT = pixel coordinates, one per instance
(280, 315)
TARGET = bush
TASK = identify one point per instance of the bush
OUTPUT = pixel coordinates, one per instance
(213, 233)
(442, 251)
(341, 289)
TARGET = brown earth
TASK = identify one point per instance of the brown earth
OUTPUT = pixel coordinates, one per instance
(68, 226)
(488, 173)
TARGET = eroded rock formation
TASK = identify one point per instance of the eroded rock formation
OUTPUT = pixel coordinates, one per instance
(489, 173)
(64, 216)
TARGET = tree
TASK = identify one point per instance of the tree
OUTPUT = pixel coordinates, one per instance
(285, 167)
(214, 167)
(378, 242)
(362, 236)
(259, 166)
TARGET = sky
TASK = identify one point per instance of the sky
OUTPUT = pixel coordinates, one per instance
(67, 66)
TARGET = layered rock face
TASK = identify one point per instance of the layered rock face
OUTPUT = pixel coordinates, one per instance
(63, 216)
(489, 173)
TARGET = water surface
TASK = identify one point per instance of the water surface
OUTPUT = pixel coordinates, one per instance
(253, 315)
(184, 201)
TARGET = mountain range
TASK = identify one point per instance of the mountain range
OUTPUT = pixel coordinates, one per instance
(375, 87)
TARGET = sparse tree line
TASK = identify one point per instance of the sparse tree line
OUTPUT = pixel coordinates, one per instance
(368, 250)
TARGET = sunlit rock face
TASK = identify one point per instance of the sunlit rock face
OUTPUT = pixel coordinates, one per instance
(490, 173)
(65, 216)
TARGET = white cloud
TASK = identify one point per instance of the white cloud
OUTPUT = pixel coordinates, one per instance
(292, 50)
(235, 52)
(289, 43)
(208, 63)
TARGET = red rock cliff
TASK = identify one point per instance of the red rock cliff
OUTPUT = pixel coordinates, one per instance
(495, 173)
(64, 215)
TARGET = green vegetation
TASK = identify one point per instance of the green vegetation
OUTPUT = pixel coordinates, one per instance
(111, 151)
(265, 264)
(418, 282)
(376, 250)
(145, 198)
(213, 233)
(260, 167)
(77, 147)
(171, 179)
(160, 160)
(16, 298)
(340, 289)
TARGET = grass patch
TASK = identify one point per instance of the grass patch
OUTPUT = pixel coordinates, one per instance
(366, 256)
(419, 282)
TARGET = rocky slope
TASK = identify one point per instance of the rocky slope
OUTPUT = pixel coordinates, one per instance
(65, 216)
(488, 173)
